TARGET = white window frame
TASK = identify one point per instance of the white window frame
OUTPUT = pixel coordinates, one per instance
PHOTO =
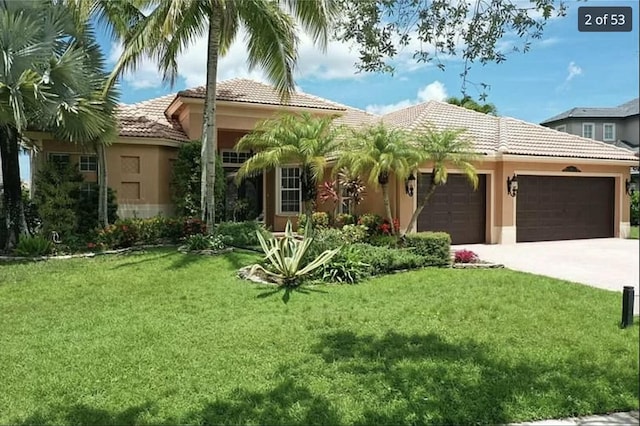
(83, 162)
(613, 132)
(51, 155)
(593, 130)
(279, 189)
(562, 128)
(237, 153)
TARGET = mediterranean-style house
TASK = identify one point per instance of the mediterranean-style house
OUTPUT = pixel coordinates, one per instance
(567, 186)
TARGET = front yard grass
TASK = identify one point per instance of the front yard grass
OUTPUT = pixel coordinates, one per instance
(634, 232)
(168, 338)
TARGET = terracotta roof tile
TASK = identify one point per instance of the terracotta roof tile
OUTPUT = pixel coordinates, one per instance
(250, 91)
(147, 119)
(503, 134)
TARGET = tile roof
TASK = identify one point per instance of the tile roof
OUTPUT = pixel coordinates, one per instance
(250, 91)
(147, 119)
(627, 109)
(490, 134)
(504, 134)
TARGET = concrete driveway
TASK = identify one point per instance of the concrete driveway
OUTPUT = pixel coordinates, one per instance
(607, 263)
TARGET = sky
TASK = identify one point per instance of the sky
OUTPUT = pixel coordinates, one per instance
(564, 69)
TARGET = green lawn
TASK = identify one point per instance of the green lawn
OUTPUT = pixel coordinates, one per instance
(168, 338)
(634, 232)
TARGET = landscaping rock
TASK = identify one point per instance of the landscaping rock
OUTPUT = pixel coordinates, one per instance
(257, 275)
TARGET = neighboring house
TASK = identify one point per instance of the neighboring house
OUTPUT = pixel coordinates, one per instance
(569, 186)
(619, 126)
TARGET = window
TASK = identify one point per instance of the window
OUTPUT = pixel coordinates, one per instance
(609, 132)
(587, 130)
(232, 158)
(289, 190)
(89, 188)
(88, 163)
(562, 128)
(61, 160)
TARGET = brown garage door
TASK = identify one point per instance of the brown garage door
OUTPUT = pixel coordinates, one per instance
(455, 208)
(564, 208)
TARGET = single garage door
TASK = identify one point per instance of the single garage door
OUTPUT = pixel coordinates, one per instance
(564, 208)
(455, 208)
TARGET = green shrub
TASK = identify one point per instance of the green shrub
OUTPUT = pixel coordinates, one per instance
(354, 233)
(382, 260)
(241, 234)
(185, 184)
(635, 208)
(371, 221)
(193, 226)
(434, 247)
(33, 246)
(87, 207)
(204, 242)
(66, 204)
(123, 233)
(343, 219)
(320, 220)
(345, 267)
(390, 241)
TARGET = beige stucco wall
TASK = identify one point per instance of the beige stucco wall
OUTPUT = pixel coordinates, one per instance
(139, 171)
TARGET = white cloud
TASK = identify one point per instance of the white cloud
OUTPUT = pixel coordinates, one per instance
(337, 63)
(573, 70)
(431, 92)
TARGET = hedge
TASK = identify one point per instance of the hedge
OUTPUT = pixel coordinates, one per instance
(434, 247)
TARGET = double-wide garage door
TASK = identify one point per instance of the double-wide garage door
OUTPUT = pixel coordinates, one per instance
(455, 208)
(547, 208)
(564, 208)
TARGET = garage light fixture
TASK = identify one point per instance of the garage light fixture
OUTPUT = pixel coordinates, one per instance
(512, 185)
(630, 187)
(410, 185)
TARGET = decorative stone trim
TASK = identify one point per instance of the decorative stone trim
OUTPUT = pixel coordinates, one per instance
(477, 265)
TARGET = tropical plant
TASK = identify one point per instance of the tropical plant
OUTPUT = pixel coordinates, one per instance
(380, 152)
(198, 242)
(286, 256)
(33, 246)
(172, 25)
(300, 139)
(51, 79)
(469, 103)
(347, 189)
(443, 149)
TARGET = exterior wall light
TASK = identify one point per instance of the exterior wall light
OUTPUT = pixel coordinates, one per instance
(512, 185)
(410, 185)
(630, 187)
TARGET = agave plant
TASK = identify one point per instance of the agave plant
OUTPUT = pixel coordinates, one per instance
(286, 255)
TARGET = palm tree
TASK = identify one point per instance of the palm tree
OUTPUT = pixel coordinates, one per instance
(443, 149)
(271, 43)
(469, 103)
(297, 139)
(51, 80)
(379, 151)
(119, 15)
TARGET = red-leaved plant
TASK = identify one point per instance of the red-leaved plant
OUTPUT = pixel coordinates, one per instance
(465, 256)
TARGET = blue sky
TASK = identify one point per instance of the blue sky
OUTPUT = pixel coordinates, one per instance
(564, 69)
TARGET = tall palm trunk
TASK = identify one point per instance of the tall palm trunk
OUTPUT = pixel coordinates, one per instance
(103, 214)
(387, 205)
(209, 136)
(15, 223)
(422, 203)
